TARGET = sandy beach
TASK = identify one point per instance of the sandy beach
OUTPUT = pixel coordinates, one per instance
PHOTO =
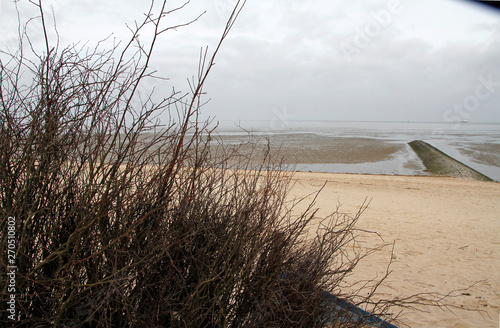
(446, 235)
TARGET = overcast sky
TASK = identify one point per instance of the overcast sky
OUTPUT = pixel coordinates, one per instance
(426, 60)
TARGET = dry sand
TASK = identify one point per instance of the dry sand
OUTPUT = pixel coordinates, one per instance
(446, 233)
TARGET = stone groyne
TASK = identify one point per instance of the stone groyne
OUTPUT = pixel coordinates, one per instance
(439, 163)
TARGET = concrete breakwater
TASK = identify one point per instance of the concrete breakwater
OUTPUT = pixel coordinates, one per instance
(439, 163)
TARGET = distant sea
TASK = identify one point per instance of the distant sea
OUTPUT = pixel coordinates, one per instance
(371, 147)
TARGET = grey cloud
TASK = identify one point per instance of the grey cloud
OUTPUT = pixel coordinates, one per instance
(287, 54)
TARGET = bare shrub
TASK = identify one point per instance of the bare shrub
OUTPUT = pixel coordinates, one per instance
(126, 221)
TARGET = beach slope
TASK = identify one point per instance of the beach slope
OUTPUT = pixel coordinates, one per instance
(446, 234)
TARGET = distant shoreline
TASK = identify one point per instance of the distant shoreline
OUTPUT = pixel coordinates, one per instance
(367, 147)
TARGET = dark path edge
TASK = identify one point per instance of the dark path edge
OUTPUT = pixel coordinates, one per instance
(355, 314)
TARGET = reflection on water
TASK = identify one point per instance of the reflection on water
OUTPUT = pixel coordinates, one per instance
(373, 147)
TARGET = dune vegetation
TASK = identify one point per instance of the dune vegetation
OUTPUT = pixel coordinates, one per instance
(123, 220)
